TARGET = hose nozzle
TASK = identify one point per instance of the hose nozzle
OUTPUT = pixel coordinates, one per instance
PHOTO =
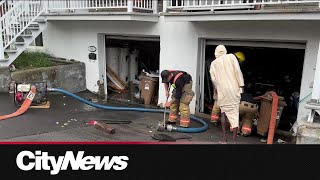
(50, 89)
(161, 127)
(171, 128)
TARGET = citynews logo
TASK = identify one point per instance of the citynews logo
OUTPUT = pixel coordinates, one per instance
(42, 161)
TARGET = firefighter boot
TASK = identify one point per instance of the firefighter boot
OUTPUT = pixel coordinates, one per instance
(173, 116)
(248, 112)
(215, 113)
(184, 108)
(247, 124)
(185, 115)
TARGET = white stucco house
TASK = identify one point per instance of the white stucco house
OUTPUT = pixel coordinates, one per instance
(185, 33)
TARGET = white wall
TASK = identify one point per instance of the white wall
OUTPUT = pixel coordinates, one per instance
(179, 44)
(70, 40)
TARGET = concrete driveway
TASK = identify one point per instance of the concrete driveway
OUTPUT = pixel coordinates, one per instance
(66, 117)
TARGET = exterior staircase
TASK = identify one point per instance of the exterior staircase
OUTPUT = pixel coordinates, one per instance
(20, 25)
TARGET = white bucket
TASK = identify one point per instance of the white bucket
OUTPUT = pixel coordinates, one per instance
(133, 66)
(112, 58)
(124, 64)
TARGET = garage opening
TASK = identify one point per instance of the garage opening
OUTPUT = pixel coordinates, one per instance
(127, 59)
(265, 69)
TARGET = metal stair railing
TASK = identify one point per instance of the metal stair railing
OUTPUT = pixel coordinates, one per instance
(17, 20)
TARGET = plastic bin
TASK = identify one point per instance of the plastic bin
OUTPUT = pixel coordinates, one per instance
(148, 86)
(265, 114)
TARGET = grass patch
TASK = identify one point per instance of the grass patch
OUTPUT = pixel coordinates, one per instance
(29, 60)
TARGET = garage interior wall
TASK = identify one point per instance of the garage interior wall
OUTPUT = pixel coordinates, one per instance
(127, 57)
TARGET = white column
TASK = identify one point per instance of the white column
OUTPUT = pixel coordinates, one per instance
(45, 4)
(316, 81)
(155, 6)
(1, 45)
(179, 50)
(164, 5)
(102, 61)
(308, 74)
(130, 6)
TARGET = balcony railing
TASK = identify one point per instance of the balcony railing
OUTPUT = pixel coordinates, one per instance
(5, 6)
(213, 5)
(68, 6)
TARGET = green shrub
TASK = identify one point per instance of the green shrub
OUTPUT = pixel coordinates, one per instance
(28, 60)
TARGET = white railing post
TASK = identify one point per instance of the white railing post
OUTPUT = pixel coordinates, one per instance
(164, 5)
(155, 6)
(130, 6)
(45, 4)
(316, 80)
(1, 44)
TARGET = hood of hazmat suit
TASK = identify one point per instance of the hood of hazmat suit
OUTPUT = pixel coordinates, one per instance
(220, 50)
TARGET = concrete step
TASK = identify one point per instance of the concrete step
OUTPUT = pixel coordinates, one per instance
(35, 21)
(26, 35)
(19, 24)
(309, 133)
(33, 28)
(40, 20)
(5, 59)
(19, 43)
(10, 50)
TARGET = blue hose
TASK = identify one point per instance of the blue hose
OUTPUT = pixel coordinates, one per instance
(178, 129)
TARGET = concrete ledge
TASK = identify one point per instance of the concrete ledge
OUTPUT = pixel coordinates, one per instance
(5, 79)
(70, 77)
(103, 16)
(310, 105)
(309, 133)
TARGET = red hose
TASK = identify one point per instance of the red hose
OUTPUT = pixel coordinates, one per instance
(26, 104)
(273, 119)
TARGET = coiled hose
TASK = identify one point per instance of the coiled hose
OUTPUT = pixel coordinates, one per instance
(178, 129)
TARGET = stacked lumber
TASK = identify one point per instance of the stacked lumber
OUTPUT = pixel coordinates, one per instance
(115, 83)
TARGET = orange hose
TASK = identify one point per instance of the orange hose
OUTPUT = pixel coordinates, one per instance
(273, 119)
(26, 104)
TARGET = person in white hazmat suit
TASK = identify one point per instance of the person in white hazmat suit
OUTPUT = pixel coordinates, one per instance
(228, 80)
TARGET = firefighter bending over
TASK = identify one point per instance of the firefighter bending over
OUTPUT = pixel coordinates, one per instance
(182, 95)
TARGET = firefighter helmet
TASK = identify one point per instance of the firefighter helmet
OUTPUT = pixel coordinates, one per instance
(241, 57)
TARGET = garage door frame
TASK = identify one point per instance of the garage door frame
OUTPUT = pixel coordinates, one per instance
(102, 38)
(247, 43)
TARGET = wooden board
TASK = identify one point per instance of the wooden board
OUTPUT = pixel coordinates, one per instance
(116, 77)
(44, 106)
(116, 84)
